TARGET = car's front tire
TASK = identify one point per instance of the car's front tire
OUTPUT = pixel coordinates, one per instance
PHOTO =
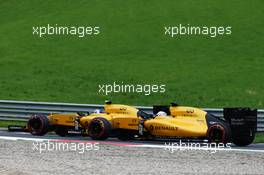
(99, 128)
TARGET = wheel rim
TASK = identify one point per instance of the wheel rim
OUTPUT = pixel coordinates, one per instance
(217, 134)
(97, 128)
(35, 123)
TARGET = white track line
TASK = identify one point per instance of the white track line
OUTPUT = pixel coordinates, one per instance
(196, 148)
(23, 138)
(136, 145)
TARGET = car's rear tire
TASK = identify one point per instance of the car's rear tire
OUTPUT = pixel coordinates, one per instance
(38, 125)
(244, 139)
(99, 128)
(217, 133)
(61, 131)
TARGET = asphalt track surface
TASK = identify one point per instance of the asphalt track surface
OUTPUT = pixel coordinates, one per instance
(18, 156)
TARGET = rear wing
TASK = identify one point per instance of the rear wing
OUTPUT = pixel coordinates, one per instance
(243, 124)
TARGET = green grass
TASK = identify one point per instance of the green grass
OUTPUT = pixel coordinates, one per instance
(259, 138)
(132, 48)
(7, 123)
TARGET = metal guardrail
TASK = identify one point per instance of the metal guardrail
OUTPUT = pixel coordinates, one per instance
(22, 110)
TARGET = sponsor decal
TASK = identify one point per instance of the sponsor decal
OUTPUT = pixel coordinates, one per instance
(162, 127)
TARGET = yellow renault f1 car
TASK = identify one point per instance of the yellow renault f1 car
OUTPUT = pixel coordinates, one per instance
(169, 122)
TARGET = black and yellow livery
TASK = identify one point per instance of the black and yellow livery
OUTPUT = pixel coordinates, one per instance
(127, 122)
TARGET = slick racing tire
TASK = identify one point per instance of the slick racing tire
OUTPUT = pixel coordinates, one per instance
(218, 133)
(38, 125)
(61, 131)
(99, 128)
(245, 139)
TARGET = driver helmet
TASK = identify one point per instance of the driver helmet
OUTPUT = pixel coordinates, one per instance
(161, 113)
(97, 111)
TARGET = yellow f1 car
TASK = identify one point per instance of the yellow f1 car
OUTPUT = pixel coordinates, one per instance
(169, 122)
